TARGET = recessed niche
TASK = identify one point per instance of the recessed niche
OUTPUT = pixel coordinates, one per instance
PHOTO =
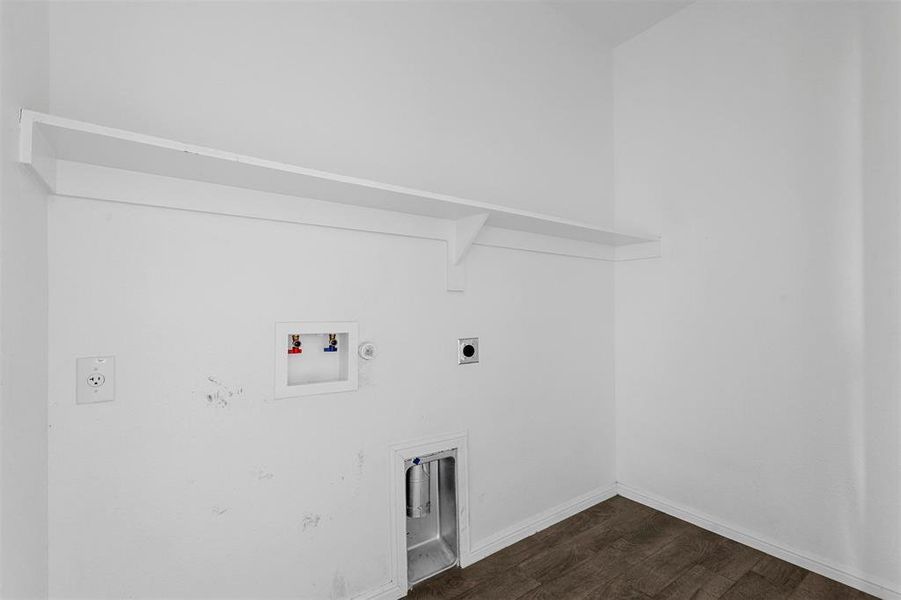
(315, 358)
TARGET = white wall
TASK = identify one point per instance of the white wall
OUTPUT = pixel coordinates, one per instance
(506, 103)
(23, 312)
(178, 497)
(739, 126)
(757, 362)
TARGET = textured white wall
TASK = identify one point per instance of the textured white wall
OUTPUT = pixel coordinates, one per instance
(757, 362)
(23, 311)
(180, 498)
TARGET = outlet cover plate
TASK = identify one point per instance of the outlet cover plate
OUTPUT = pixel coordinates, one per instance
(95, 379)
(467, 351)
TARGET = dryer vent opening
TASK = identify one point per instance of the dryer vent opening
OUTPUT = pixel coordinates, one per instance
(432, 530)
(418, 493)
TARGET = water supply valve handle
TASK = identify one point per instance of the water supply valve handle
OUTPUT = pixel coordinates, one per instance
(295, 347)
(332, 343)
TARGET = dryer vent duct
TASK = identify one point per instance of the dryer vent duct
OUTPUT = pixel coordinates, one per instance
(418, 492)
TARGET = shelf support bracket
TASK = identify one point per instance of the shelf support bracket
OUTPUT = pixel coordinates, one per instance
(463, 232)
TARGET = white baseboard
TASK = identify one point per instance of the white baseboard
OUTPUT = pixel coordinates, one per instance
(794, 557)
(527, 527)
(387, 591)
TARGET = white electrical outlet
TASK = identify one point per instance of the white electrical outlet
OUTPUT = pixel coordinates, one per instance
(95, 379)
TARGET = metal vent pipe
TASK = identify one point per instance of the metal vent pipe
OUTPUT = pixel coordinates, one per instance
(418, 500)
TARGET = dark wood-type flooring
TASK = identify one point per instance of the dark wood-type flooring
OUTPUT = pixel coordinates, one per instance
(622, 550)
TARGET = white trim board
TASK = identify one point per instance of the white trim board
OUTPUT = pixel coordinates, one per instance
(79, 180)
(47, 141)
(92, 182)
(816, 565)
(532, 525)
(80, 141)
(387, 591)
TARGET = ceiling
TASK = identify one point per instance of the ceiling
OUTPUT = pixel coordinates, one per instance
(612, 22)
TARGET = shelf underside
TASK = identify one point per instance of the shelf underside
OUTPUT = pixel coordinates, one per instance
(98, 145)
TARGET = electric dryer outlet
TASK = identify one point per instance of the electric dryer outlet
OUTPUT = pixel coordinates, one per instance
(95, 379)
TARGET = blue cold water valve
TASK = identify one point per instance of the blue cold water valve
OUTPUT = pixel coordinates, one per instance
(332, 343)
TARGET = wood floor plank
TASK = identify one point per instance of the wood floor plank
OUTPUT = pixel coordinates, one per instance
(655, 533)
(580, 581)
(784, 575)
(617, 520)
(817, 587)
(619, 588)
(753, 586)
(614, 526)
(731, 559)
(518, 552)
(512, 583)
(555, 560)
(697, 583)
(567, 528)
(662, 568)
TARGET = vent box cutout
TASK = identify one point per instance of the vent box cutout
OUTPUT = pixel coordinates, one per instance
(315, 358)
(432, 529)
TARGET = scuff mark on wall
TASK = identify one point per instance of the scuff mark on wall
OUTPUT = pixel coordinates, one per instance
(310, 521)
(361, 461)
(263, 474)
(359, 465)
(219, 393)
(219, 510)
(339, 586)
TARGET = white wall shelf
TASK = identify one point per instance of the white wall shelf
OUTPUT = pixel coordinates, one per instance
(46, 140)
